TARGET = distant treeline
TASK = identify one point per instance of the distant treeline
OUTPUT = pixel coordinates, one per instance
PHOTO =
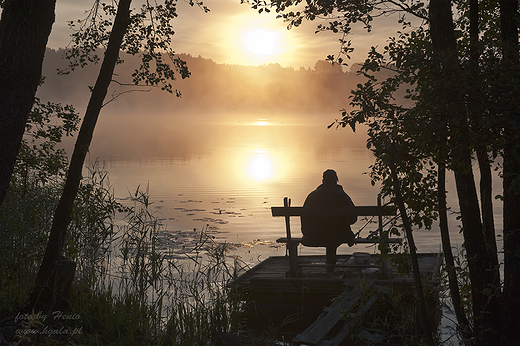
(213, 87)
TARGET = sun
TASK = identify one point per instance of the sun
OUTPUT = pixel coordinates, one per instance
(261, 42)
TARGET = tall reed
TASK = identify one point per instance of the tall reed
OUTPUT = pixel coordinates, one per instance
(25, 219)
(128, 289)
(148, 295)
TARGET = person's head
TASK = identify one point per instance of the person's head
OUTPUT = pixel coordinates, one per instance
(330, 177)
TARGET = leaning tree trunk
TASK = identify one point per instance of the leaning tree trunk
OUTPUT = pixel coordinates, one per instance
(44, 295)
(462, 320)
(24, 30)
(481, 270)
(423, 314)
(511, 181)
(463, 323)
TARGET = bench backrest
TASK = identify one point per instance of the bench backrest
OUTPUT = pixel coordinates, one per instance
(333, 211)
(287, 211)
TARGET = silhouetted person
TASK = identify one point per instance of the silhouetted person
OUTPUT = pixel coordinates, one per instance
(328, 231)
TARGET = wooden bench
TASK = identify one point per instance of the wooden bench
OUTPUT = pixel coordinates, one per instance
(292, 243)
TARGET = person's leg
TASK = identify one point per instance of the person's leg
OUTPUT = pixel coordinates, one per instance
(331, 257)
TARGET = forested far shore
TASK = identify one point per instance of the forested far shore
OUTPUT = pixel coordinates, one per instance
(323, 89)
(142, 121)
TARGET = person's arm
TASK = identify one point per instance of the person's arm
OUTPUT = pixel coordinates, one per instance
(352, 218)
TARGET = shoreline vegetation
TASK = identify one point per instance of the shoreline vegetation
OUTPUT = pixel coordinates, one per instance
(127, 289)
(435, 99)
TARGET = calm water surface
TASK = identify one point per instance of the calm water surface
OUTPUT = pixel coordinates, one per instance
(241, 170)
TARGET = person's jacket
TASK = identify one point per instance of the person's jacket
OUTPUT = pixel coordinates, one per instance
(327, 231)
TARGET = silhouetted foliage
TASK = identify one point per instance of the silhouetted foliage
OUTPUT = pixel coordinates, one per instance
(147, 32)
(454, 65)
(40, 158)
(24, 29)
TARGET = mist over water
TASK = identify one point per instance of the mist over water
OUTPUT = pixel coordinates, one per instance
(230, 174)
(237, 142)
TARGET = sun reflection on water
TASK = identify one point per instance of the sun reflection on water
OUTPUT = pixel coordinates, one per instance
(262, 123)
(260, 166)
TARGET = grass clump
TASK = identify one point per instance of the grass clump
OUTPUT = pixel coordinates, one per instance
(128, 289)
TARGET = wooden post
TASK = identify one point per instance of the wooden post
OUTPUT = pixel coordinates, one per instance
(383, 243)
(290, 245)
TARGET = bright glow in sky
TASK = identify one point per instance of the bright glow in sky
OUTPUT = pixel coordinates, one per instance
(232, 33)
(245, 37)
(261, 42)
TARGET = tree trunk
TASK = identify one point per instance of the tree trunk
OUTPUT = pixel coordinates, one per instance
(43, 293)
(481, 270)
(425, 323)
(511, 293)
(24, 30)
(486, 196)
(475, 105)
(475, 100)
(463, 323)
(462, 320)
(511, 181)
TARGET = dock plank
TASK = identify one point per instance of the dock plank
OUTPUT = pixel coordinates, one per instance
(331, 315)
(345, 330)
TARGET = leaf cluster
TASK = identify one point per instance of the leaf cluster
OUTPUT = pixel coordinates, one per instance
(405, 100)
(339, 16)
(405, 104)
(399, 134)
(40, 156)
(148, 35)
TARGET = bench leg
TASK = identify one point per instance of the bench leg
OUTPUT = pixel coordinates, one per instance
(331, 258)
(294, 270)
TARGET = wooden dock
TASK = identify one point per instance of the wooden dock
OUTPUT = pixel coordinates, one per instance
(322, 299)
(268, 281)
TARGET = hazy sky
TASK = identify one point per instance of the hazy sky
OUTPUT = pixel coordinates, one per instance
(232, 33)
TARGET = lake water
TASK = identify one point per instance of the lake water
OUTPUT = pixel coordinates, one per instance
(231, 174)
(224, 177)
